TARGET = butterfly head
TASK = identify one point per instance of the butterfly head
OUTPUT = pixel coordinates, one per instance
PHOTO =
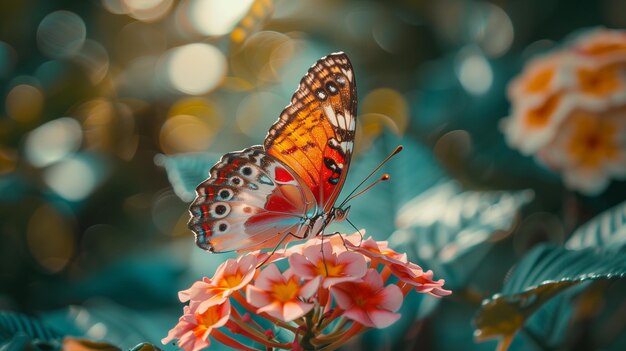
(339, 214)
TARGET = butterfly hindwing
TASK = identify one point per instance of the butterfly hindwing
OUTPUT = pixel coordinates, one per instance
(314, 135)
(249, 201)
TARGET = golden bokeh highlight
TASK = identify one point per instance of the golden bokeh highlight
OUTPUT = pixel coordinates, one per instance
(257, 111)
(50, 238)
(8, 158)
(261, 56)
(453, 150)
(147, 10)
(381, 108)
(24, 103)
(190, 127)
(259, 13)
(108, 127)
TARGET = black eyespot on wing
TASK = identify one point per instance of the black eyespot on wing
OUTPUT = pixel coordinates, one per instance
(332, 88)
(321, 94)
(220, 209)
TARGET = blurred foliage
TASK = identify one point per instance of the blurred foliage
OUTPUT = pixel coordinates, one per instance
(105, 102)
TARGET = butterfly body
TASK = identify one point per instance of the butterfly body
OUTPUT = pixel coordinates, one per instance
(286, 189)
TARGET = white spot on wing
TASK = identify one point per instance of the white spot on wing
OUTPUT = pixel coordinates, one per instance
(347, 73)
(330, 113)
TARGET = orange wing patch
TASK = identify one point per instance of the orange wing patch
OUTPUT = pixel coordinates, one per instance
(315, 133)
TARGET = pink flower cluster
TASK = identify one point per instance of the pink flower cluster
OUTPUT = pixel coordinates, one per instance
(331, 290)
(569, 110)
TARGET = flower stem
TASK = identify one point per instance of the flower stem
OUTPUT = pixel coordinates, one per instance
(354, 330)
(256, 335)
(230, 342)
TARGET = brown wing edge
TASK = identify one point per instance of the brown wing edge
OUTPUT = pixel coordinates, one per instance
(283, 119)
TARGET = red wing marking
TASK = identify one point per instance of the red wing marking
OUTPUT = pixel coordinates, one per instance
(282, 175)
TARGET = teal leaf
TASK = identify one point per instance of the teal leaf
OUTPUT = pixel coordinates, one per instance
(450, 230)
(606, 231)
(542, 274)
(12, 324)
(186, 171)
(412, 171)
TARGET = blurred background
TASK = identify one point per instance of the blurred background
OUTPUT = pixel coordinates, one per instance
(113, 110)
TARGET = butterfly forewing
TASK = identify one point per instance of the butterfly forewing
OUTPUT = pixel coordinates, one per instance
(314, 135)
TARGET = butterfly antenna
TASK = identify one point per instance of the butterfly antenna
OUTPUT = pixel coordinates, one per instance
(384, 178)
(349, 197)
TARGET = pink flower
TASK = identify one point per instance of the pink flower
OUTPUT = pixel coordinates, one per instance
(281, 295)
(413, 274)
(333, 268)
(230, 276)
(380, 251)
(368, 302)
(193, 328)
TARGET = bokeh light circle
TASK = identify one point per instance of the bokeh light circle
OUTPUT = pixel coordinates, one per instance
(196, 68)
(50, 238)
(474, 71)
(24, 103)
(217, 17)
(147, 10)
(73, 178)
(185, 133)
(61, 34)
(53, 141)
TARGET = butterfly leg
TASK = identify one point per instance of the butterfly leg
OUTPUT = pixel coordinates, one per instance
(275, 248)
(277, 245)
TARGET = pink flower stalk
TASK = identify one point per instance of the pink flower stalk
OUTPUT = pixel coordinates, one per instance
(230, 276)
(412, 274)
(193, 328)
(368, 302)
(321, 261)
(281, 295)
(380, 251)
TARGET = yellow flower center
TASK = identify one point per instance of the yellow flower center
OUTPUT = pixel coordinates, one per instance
(593, 140)
(328, 269)
(540, 81)
(230, 281)
(285, 291)
(205, 320)
(599, 82)
(540, 116)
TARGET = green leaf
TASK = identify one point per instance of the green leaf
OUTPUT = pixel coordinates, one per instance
(451, 231)
(606, 231)
(412, 171)
(12, 324)
(186, 171)
(542, 274)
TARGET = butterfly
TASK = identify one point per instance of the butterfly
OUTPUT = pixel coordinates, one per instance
(263, 196)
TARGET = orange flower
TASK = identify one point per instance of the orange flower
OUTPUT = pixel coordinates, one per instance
(281, 295)
(230, 276)
(589, 150)
(560, 105)
(366, 301)
(602, 45)
(193, 328)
